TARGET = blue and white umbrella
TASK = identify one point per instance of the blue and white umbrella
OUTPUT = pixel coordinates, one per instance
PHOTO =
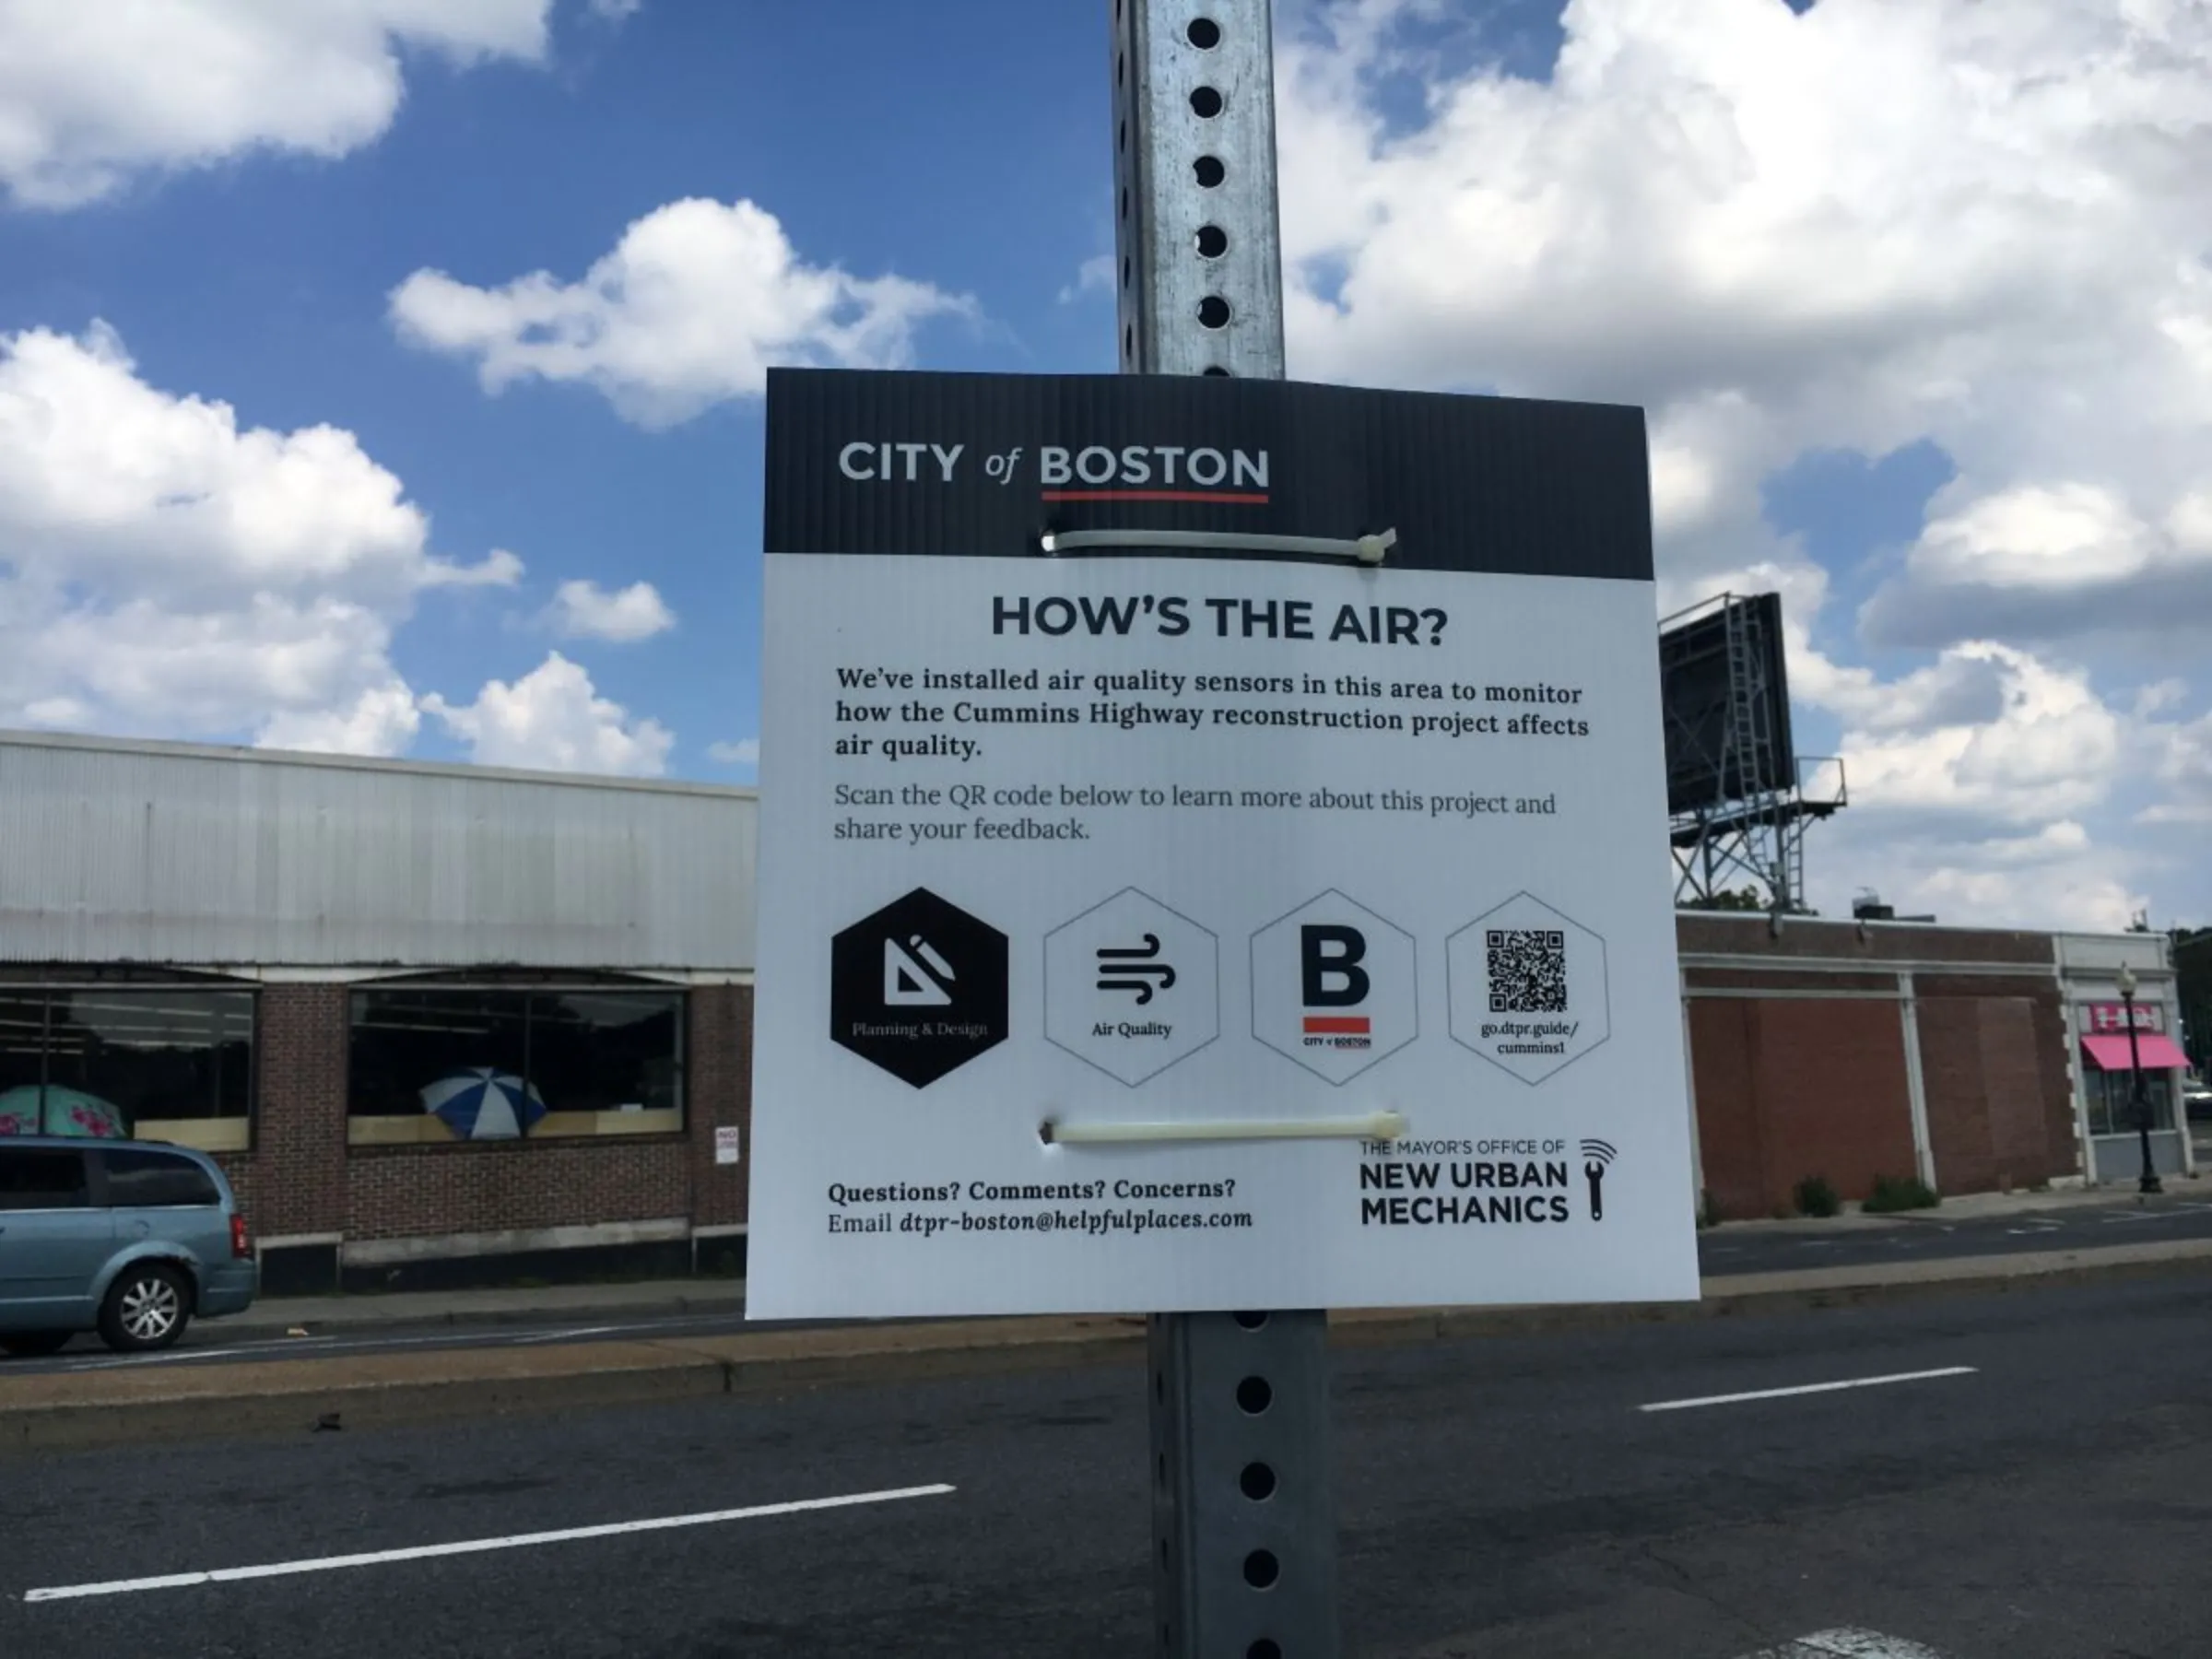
(482, 1102)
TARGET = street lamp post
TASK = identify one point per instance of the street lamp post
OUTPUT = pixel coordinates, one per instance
(2149, 1183)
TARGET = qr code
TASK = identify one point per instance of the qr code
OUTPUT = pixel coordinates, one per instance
(1528, 970)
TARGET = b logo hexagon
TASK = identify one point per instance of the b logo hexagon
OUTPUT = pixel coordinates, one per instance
(1333, 987)
(918, 988)
(1132, 986)
(1527, 988)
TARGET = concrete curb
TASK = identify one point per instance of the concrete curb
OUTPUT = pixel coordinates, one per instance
(63, 1411)
(328, 1315)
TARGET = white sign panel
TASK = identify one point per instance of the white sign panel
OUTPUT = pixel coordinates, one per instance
(1143, 844)
(726, 1144)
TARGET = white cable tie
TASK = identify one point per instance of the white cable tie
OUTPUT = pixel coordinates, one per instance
(1377, 1126)
(1366, 549)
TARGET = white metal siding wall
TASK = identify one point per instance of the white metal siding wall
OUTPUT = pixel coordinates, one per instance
(114, 852)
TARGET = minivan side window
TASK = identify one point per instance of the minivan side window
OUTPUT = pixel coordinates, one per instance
(139, 1180)
(38, 1178)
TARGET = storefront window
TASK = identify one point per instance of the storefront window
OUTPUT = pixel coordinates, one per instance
(22, 1059)
(2111, 1101)
(404, 1041)
(441, 1063)
(173, 1065)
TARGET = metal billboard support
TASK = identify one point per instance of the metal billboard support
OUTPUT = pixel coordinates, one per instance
(1243, 1517)
(1762, 796)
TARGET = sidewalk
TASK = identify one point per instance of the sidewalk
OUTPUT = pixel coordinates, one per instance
(1986, 1206)
(119, 1405)
(322, 1315)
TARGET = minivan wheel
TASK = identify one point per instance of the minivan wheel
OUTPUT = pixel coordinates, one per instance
(35, 1345)
(147, 1308)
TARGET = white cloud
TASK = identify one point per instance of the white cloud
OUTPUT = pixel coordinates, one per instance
(94, 91)
(1095, 275)
(1989, 733)
(745, 751)
(694, 302)
(382, 721)
(585, 610)
(552, 719)
(167, 571)
(2056, 877)
(2184, 764)
(2066, 538)
(615, 11)
(1876, 222)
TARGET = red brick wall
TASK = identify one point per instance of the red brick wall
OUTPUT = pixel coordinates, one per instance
(403, 1192)
(1790, 1086)
(301, 1177)
(1730, 1149)
(1719, 933)
(721, 1080)
(1999, 1100)
(294, 1179)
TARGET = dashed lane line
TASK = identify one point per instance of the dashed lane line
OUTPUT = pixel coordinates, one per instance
(428, 1552)
(1807, 1388)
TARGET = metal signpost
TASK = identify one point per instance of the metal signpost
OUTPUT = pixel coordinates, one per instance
(1243, 1518)
(1209, 853)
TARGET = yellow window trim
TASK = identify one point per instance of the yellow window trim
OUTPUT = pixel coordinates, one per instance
(202, 1135)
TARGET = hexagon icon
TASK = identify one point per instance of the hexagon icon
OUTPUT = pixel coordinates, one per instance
(1132, 986)
(1333, 987)
(918, 988)
(1527, 988)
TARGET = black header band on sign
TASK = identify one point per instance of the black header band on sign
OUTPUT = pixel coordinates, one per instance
(863, 461)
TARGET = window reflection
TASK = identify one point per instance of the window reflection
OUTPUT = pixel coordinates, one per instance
(99, 1062)
(596, 1062)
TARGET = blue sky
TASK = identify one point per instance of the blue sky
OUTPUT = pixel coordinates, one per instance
(334, 342)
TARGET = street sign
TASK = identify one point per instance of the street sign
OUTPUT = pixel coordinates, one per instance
(1165, 781)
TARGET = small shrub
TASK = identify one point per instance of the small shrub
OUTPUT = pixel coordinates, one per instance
(1816, 1196)
(1709, 1213)
(1892, 1193)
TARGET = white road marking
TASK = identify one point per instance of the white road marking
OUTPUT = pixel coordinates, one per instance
(1847, 1644)
(304, 1347)
(143, 1359)
(1808, 1388)
(425, 1552)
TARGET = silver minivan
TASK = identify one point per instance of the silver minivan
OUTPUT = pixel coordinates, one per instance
(131, 1239)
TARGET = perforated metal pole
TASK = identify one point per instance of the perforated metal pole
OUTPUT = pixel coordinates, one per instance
(1244, 1519)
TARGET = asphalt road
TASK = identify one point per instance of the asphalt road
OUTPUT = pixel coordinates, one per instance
(2047, 1498)
(207, 1342)
(1728, 1252)
(1923, 1234)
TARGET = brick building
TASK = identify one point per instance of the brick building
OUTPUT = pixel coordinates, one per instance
(283, 959)
(271, 957)
(1968, 1057)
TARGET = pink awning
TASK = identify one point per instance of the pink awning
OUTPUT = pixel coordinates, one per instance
(2109, 1053)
